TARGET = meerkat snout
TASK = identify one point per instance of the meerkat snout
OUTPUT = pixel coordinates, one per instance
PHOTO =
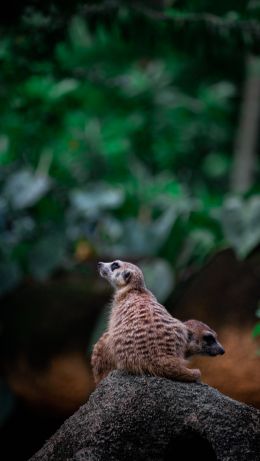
(115, 272)
(102, 269)
(212, 345)
(121, 274)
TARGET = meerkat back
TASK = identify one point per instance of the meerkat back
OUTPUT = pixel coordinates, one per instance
(142, 337)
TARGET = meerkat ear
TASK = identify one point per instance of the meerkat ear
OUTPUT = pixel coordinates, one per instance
(127, 275)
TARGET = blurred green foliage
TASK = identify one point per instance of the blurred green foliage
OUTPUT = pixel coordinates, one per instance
(117, 141)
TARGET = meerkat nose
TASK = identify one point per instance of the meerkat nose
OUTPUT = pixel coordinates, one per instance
(222, 351)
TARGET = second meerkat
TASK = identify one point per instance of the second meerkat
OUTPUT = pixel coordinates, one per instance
(142, 337)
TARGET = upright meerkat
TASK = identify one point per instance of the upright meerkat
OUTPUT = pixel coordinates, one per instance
(142, 337)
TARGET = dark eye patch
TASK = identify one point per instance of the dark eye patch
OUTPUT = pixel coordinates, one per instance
(209, 339)
(114, 266)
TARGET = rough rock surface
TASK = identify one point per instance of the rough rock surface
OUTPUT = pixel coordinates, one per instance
(148, 418)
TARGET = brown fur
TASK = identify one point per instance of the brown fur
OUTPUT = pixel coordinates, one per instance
(142, 337)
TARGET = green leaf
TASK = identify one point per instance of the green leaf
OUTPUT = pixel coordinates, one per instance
(241, 223)
(4, 149)
(37, 87)
(258, 312)
(216, 165)
(23, 189)
(63, 88)
(91, 203)
(159, 277)
(256, 330)
(79, 34)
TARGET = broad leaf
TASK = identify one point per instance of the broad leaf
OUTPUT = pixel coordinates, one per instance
(24, 189)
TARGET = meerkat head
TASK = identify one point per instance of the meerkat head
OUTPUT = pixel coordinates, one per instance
(122, 274)
(202, 339)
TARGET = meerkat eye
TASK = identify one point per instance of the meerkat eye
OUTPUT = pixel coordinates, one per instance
(114, 266)
(209, 339)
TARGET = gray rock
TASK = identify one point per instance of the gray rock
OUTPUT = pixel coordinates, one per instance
(148, 418)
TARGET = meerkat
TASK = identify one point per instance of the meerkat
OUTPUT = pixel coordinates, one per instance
(142, 337)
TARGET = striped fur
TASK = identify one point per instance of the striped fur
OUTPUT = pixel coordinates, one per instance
(142, 337)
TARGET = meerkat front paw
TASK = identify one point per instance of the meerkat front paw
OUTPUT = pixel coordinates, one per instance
(196, 375)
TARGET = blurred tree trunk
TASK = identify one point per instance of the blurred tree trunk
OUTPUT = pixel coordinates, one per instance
(247, 135)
